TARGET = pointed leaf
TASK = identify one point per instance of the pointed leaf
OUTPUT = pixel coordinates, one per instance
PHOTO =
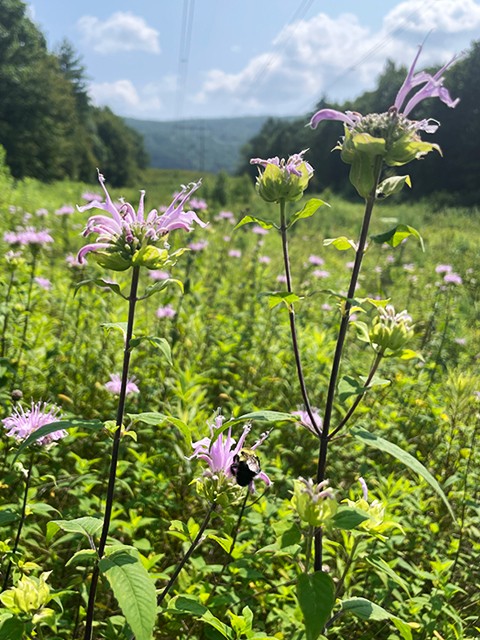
(47, 429)
(159, 286)
(316, 597)
(103, 284)
(12, 629)
(348, 518)
(311, 207)
(342, 243)
(86, 526)
(265, 416)
(133, 588)
(407, 459)
(390, 186)
(159, 343)
(395, 236)
(365, 610)
(186, 604)
(265, 224)
(157, 419)
(278, 297)
(115, 326)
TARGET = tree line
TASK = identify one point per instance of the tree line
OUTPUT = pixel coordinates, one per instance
(453, 177)
(48, 126)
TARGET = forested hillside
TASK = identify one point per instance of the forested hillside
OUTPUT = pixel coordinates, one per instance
(48, 126)
(205, 145)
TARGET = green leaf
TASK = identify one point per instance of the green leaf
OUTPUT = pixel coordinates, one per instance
(133, 588)
(184, 604)
(278, 297)
(311, 207)
(342, 243)
(390, 186)
(160, 343)
(84, 556)
(91, 425)
(8, 516)
(348, 518)
(12, 629)
(395, 236)
(85, 526)
(366, 610)
(316, 597)
(408, 460)
(103, 284)
(265, 224)
(159, 286)
(265, 416)
(115, 326)
(384, 567)
(157, 419)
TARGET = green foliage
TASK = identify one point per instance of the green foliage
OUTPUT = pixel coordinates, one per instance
(398, 551)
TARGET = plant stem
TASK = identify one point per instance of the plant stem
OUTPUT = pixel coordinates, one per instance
(324, 438)
(186, 557)
(27, 314)
(359, 398)
(7, 315)
(132, 299)
(20, 525)
(291, 314)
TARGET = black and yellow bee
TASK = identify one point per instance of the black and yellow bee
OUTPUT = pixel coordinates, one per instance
(245, 467)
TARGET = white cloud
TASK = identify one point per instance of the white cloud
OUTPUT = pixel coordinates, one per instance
(122, 31)
(339, 57)
(123, 98)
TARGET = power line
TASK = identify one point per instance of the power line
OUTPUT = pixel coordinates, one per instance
(184, 54)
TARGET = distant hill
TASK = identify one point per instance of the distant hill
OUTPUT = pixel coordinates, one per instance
(206, 145)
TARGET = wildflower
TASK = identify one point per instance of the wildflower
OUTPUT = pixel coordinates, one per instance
(260, 231)
(320, 273)
(281, 278)
(165, 312)
(198, 246)
(225, 215)
(90, 196)
(391, 136)
(29, 597)
(452, 278)
(66, 210)
(44, 283)
(114, 385)
(127, 237)
(73, 262)
(375, 512)
(305, 420)
(443, 268)
(28, 236)
(326, 307)
(42, 212)
(264, 259)
(391, 330)
(314, 503)
(198, 204)
(316, 260)
(23, 423)
(219, 451)
(283, 179)
(235, 253)
(158, 274)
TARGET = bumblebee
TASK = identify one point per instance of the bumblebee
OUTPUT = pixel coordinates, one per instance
(245, 467)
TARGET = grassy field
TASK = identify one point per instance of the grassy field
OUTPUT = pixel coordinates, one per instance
(231, 352)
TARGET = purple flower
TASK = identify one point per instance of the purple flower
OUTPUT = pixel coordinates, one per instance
(305, 420)
(126, 231)
(225, 215)
(29, 236)
(43, 283)
(290, 166)
(235, 253)
(452, 278)
(41, 212)
(260, 231)
(158, 274)
(73, 262)
(166, 312)
(66, 210)
(283, 180)
(282, 278)
(115, 383)
(443, 268)
(320, 273)
(432, 88)
(23, 423)
(316, 260)
(198, 204)
(264, 259)
(198, 246)
(89, 196)
(219, 451)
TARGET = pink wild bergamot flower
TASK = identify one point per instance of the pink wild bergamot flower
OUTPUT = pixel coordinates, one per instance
(22, 423)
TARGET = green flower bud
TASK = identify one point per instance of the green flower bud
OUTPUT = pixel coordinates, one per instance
(30, 595)
(283, 179)
(391, 330)
(314, 503)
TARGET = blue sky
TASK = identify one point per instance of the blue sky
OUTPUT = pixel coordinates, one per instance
(169, 59)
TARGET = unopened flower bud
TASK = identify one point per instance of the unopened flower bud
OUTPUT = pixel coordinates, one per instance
(391, 330)
(283, 179)
(314, 503)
